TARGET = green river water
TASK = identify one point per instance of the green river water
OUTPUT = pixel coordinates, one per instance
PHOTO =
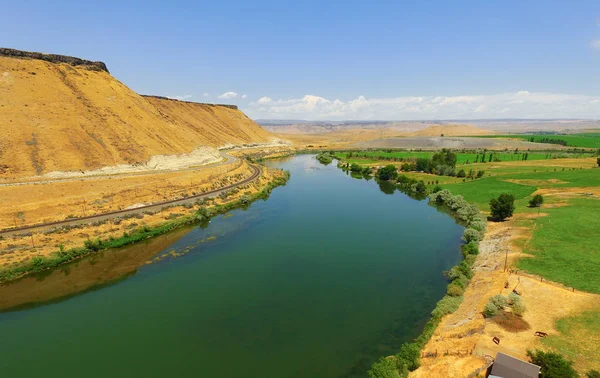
(319, 280)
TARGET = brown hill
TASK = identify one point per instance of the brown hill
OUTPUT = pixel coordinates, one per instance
(64, 114)
(451, 130)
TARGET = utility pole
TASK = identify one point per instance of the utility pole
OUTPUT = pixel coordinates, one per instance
(506, 260)
(32, 243)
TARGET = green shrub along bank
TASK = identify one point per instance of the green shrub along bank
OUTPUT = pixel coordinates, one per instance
(459, 276)
(325, 157)
(203, 214)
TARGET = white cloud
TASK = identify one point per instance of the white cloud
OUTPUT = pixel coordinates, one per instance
(595, 44)
(244, 96)
(521, 104)
(228, 95)
(264, 100)
(205, 94)
(182, 98)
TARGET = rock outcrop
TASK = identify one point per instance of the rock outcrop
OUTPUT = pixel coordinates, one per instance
(53, 58)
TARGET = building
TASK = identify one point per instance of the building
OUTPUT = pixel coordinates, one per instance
(506, 366)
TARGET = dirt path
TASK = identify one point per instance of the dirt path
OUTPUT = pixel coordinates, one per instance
(153, 207)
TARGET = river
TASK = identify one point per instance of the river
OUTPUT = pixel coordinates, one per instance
(319, 280)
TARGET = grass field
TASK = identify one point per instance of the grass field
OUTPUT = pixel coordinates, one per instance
(586, 140)
(565, 245)
(579, 339)
(371, 157)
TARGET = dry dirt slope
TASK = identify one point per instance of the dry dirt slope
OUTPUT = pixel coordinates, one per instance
(60, 116)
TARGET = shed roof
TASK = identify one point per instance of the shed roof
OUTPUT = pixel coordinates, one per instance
(506, 366)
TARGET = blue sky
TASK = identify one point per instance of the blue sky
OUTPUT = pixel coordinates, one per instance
(336, 60)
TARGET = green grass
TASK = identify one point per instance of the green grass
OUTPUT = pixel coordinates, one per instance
(579, 340)
(481, 191)
(566, 245)
(586, 140)
(371, 157)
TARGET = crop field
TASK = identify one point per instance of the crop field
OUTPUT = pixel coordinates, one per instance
(585, 140)
(370, 157)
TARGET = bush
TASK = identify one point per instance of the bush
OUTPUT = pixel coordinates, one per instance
(389, 172)
(490, 310)
(455, 289)
(499, 300)
(536, 201)
(436, 189)
(471, 235)
(502, 207)
(446, 305)
(408, 357)
(553, 364)
(385, 368)
(470, 249)
(461, 173)
(518, 308)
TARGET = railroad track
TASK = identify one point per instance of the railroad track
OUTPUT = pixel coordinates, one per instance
(156, 206)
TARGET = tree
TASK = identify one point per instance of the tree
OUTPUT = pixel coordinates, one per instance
(553, 364)
(355, 167)
(536, 201)
(461, 173)
(598, 161)
(502, 207)
(389, 172)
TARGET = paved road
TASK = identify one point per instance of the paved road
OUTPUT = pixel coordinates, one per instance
(256, 171)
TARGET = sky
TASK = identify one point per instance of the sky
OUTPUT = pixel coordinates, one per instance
(336, 60)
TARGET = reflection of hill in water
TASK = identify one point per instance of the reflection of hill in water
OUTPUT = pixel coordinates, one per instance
(89, 273)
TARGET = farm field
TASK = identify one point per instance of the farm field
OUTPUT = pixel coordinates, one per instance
(585, 140)
(369, 157)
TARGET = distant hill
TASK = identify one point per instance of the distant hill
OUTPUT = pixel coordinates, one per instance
(62, 113)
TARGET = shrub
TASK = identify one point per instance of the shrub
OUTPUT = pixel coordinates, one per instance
(461, 173)
(471, 235)
(389, 172)
(514, 298)
(385, 368)
(470, 249)
(436, 189)
(553, 364)
(446, 305)
(499, 301)
(455, 289)
(536, 201)
(502, 207)
(408, 357)
(490, 310)
(518, 308)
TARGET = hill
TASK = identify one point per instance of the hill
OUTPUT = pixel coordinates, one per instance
(67, 114)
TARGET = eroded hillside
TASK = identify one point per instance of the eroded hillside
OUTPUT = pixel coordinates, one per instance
(61, 115)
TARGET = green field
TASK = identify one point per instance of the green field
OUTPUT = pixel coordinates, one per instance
(586, 140)
(371, 157)
(566, 245)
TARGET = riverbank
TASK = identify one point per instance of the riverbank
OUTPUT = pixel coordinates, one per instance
(535, 240)
(58, 246)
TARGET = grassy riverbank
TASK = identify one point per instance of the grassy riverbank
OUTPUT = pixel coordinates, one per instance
(556, 242)
(203, 214)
